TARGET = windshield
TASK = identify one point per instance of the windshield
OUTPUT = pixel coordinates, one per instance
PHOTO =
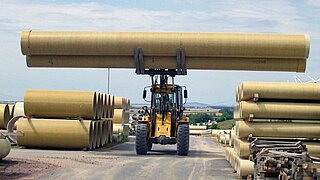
(164, 102)
(167, 102)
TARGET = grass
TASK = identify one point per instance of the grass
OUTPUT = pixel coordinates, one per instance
(226, 124)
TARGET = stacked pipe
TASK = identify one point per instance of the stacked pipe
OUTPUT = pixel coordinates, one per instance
(4, 115)
(65, 120)
(277, 111)
(121, 119)
(212, 51)
(198, 130)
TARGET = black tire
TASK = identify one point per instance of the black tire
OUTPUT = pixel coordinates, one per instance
(142, 139)
(149, 146)
(183, 140)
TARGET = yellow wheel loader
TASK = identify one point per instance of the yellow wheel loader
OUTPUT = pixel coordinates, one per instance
(163, 122)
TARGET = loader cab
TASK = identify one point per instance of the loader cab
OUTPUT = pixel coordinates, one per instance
(166, 98)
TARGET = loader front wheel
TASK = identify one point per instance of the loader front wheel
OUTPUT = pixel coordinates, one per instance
(183, 140)
(142, 139)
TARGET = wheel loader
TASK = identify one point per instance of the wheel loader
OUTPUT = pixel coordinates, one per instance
(163, 122)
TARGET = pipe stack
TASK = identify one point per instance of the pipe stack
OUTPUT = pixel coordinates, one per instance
(5, 147)
(198, 130)
(212, 51)
(121, 119)
(4, 115)
(64, 119)
(275, 111)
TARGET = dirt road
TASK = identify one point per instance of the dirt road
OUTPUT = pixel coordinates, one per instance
(206, 160)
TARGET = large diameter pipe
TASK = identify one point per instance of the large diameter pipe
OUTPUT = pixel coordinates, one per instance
(198, 127)
(281, 130)
(111, 106)
(197, 132)
(278, 110)
(118, 117)
(19, 109)
(119, 103)
(55, 133)
(61, 104)
(231, 157)
(11, 110)
(313, 148)
(244, 167)
(4, 116)
(5, 147)
(165, 44)
(204, 63)
(242, 148)
(279, 91)
(110, 130)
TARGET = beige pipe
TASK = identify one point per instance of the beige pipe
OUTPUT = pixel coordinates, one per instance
(128, 104)
(5, 147)
(285, 130)
(119, 103)
(313, 148)
(196, 132)
(103, 112)
(279, 90)
(231, 137)
(244, 167)
(11, 110)
(117, 128)
(111, 107)
(203, 63)
(105, 132)
(110, 126)
(198, 127)
(99, 106)
(101, 143)
(60, 104)
(118, 116)
(165, 44)
(215, 132)
(93, 136)
(106, 105)
(54, 133)
(231, 157)
(19, 109)
(278, 110)
(242, 148)
(4, 116)
(97, 133)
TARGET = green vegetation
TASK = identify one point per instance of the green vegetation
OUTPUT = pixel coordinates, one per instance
(228, 124)
(203, 118)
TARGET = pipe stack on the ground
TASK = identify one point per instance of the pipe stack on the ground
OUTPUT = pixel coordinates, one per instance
(198, 130)
(212, 51)
(275, 111)
(64, 120)
(4, 115)
(120, 119)
(5, 147)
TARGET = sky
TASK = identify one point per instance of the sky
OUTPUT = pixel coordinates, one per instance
(211, 87)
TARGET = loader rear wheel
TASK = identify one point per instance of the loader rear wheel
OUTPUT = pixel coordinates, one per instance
(183, 140)
(142, 139)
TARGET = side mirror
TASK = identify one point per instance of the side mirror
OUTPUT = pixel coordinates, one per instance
(185, 94)
(144, 95)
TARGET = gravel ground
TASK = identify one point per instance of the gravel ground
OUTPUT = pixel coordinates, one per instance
(206, 160)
